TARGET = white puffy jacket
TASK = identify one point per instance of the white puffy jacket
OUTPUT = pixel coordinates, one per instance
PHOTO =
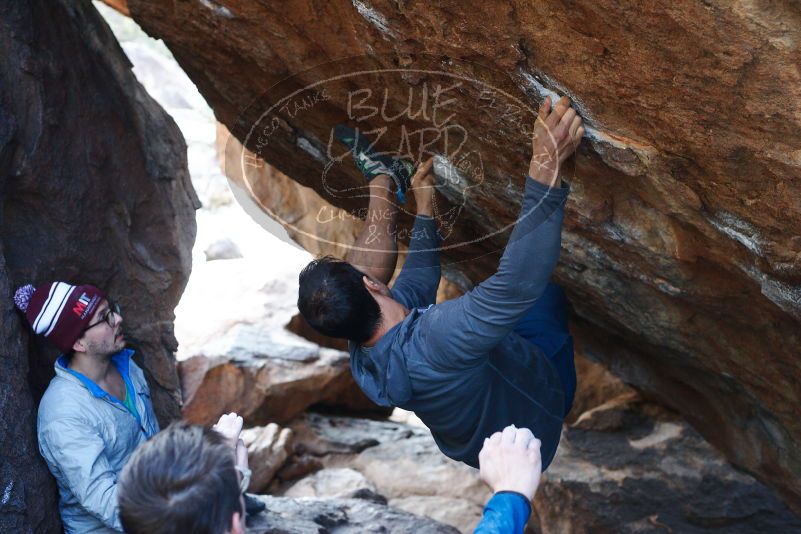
(86, 438)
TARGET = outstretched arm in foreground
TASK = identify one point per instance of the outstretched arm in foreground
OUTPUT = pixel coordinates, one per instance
(511, 465)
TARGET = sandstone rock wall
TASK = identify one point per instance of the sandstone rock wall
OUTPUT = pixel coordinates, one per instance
(94, 189)
(681, 244)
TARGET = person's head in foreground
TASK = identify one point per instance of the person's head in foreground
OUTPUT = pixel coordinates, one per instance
(76, 319)
(182, 480)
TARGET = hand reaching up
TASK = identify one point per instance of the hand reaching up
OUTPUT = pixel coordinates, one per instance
(230, 426)
(423, 188)
(511, 461)
(556, 136)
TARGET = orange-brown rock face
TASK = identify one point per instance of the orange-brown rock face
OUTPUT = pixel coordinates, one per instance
(681, 243)
(95, 190)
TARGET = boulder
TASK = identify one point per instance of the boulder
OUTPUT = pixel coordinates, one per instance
(629, 466)
(300, 466)
(626, 465)
(345, 516)
(268, 448)
(236, 354)
(460, 513)
(394, 460)
(324, 436)
(337, 483)
(95, 190)
(264, 377)
(681, 246)
(415, 466)
(224, 249)
(415, 476)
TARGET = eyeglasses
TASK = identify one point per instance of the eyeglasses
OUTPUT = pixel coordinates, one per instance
(108, 316)
(244, 482)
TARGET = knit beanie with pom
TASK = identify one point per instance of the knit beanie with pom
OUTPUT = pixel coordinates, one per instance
(58, 311)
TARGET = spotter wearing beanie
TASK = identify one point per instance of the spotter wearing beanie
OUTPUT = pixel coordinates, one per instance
(58, 311)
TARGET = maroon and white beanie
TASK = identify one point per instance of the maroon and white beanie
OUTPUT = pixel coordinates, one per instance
(58, 311)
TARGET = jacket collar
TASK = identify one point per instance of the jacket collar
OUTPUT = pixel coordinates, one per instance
(121, 360)
(381, 369)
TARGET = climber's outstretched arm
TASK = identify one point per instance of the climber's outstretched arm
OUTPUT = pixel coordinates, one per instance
(465, 329)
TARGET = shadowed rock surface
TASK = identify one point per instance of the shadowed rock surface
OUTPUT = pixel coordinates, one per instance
(623, 466)
(681, 244)
(627, 466)
(95, 189)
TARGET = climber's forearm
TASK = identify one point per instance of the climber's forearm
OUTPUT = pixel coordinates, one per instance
(375, 251)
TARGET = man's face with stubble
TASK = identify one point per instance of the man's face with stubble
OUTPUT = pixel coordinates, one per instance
(103, 336)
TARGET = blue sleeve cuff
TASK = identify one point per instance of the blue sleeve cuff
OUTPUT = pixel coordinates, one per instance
(424, 233)
(541, 189)
(506, 513)
(517, 501)
(424, 221)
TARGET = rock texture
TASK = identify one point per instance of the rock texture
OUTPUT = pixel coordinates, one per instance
(268, 448)
(95, 189)
(397, 462)
(238, 356)
(627, 466)
(342, 516)
(265, 377)
(335, 482)
(595, 384)
(624, 466)
(681, 243)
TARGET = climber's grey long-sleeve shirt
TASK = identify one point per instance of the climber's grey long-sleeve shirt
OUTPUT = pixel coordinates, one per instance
(459, 365)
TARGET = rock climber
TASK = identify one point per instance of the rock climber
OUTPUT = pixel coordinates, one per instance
(501, 354)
